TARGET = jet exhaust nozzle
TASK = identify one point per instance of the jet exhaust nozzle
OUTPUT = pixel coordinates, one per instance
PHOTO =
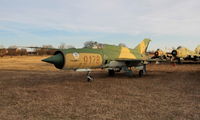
(58, 60)
(156, 54)
(174, 53)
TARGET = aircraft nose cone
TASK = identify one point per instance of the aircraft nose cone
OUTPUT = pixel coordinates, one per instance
(53, 59)
(57, 60)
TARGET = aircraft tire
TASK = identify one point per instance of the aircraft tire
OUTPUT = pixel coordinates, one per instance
(196, 58)
(179, 61)
(111, 73)
(141, 73)
(90, 78)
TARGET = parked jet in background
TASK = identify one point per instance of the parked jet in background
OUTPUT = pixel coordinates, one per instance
(182, 53)
(110, 57)
(162, 55)
(197, 50)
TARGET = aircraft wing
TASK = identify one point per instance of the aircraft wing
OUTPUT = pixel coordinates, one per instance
(140, 60)
(129, 60)
(132, 62)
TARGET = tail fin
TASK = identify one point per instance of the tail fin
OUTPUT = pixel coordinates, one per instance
(197, 50)
(142, 47)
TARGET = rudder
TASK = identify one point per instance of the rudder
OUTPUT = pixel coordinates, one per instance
(197, 49)
(142, 47)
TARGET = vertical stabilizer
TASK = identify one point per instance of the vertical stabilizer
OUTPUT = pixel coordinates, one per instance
(142, 47)
(197, 50)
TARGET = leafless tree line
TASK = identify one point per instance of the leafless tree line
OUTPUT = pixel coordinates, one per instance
(21, 52)
(45, 49)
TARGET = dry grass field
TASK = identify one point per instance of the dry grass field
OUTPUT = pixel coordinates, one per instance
(33, 90)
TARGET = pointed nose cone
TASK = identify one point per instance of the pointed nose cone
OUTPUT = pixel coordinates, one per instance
(53, 59)
(57, 60)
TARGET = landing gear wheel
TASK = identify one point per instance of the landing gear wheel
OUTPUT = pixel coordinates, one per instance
(179, 61)
(111, 73)
(129, 73)
(141, 73)
(196, 58)
(90, 78)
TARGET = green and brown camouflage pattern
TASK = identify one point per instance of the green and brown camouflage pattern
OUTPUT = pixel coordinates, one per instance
(95, 58)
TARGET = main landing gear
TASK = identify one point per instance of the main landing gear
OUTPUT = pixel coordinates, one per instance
(128, 71)
(143, 71)
(111, 73)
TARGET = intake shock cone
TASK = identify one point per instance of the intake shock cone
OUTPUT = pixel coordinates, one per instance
(58, 60)
(174, 53)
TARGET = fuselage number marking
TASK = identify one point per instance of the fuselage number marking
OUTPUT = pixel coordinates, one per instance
(91, 59)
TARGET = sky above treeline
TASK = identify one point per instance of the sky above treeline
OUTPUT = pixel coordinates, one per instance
(168, 23)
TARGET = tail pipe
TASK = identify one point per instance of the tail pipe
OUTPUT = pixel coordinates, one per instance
(174, 53)
(156, 54)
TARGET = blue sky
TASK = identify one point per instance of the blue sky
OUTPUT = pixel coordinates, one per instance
(169, 23)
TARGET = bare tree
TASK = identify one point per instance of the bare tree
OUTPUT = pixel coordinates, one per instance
(69, 46)
(122, 45)
(64, 46)
(12, 46)
(90, 44)
(47, 46)
(1, 46)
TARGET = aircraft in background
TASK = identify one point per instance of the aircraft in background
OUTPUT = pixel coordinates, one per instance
(110, 57)
(182, 53)
(162, 55)
(197, 49)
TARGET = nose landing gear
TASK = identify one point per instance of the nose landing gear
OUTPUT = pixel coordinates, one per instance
(89, 77)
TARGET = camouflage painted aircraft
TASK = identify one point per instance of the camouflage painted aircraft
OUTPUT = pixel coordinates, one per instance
(182, 53)
(197, 50)
(162, 55)
(110, 57)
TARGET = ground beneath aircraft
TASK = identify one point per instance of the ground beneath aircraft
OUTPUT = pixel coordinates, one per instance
(30, 89)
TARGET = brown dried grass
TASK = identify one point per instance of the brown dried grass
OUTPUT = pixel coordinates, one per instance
(30, 89)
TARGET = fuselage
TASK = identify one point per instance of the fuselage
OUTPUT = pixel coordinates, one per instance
(184, 53)
(103, 56)
(89, 58)
(82, 58)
